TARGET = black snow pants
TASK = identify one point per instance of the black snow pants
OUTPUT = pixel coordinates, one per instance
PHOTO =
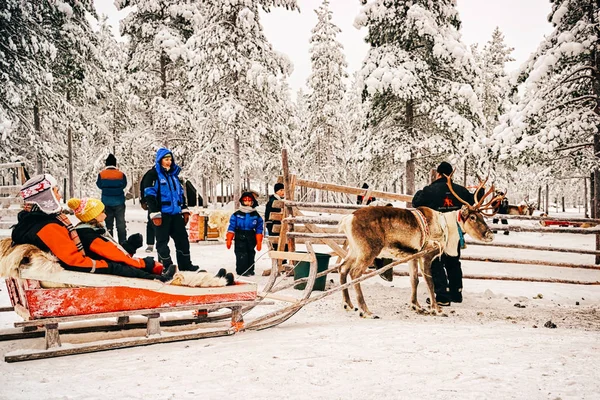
(245, 242)
(447, 275)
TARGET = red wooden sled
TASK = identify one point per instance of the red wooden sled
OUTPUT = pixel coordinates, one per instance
(96, 294)
(101, 297)
(560, 223)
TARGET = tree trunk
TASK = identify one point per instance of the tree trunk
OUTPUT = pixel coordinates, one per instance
(585, 198)
(38, 130)
(596, 91)
(547, 205)
(539, 199)
(465, 173)
(236, 172)
(70, 154)
(163, 75)
(410, 164)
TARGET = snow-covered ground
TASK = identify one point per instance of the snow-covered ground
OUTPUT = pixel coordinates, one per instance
(485, 347)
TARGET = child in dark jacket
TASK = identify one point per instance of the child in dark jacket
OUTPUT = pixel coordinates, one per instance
(99, 245)
(246, 225)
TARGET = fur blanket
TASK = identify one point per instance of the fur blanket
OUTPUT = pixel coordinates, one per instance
(26, 256)
(197, 279)
(30, 257)
(219, 219)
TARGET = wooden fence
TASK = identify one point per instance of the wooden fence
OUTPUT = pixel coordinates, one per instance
(299, 223)
(13, 176)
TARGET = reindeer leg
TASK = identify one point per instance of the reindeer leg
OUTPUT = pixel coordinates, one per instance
(413, 271)
(344, 268)
(429, 280)
(358, 270)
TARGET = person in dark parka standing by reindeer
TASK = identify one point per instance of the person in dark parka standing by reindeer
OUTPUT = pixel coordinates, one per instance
(445, 270)
(246, 225)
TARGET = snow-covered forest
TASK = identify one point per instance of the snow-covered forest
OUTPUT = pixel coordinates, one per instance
(202, 78)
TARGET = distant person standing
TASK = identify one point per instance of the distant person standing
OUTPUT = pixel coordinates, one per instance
(112, 182)
(270, 223)
(360, 198)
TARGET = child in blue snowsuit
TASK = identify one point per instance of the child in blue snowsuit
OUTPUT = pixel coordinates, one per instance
(246, 225)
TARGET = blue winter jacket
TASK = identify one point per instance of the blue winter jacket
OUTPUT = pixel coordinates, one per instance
(246, 222)
(112, 182)
(164, 192)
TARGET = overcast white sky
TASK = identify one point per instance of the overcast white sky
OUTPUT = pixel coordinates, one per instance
(523, 23)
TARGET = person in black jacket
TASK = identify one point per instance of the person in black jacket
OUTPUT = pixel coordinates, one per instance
(446, 270)
(501, 207)
(270, 223)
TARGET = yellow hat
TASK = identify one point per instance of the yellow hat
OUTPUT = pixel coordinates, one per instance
(86, 209)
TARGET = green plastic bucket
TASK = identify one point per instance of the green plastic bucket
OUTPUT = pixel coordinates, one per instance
(303, 268)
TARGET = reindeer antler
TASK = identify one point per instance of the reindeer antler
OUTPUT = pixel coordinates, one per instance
(449, 178)
(481, 185)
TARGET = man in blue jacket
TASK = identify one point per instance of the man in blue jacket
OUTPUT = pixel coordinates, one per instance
(168, 210)
(112, 182)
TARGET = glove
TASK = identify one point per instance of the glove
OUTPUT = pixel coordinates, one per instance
(133, 243)
(158, 268)
(229, 239)
(144, 204)
(149, 264)
(259, 238)
(156, 218)
(186, 216)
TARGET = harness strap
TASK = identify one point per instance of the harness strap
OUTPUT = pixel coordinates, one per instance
(423, 225)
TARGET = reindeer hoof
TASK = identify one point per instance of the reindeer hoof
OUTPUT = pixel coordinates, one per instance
(368, 315)
(349, 307)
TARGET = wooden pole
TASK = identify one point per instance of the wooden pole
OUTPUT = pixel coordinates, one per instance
(585, 198)
(289, 195)
(546, 206)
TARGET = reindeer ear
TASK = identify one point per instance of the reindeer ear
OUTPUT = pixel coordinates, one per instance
(464, 212)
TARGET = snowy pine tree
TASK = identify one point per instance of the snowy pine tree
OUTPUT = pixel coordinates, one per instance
(327, 88)
(237, 93)
(418, 77)
(158, 30)
(44, 81)
(557, 114)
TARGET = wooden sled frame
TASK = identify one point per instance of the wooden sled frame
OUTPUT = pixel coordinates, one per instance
(205, 326)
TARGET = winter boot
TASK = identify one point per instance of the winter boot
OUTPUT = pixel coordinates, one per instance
(456, 296)
(168, 274)
(442, 300)
(190, 267)
(382, 262)
(221, 274)
(150, 248)
(230, 279)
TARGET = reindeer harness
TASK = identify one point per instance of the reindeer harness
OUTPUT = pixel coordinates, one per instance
(423, 225)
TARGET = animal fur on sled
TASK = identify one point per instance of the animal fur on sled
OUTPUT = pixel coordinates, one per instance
(219, 219)
(197, 279)
(27, 256)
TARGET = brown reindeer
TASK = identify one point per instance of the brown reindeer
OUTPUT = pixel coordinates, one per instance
(521, 209)
(403, 232)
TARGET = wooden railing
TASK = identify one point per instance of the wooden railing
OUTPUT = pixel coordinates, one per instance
(10, 201)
